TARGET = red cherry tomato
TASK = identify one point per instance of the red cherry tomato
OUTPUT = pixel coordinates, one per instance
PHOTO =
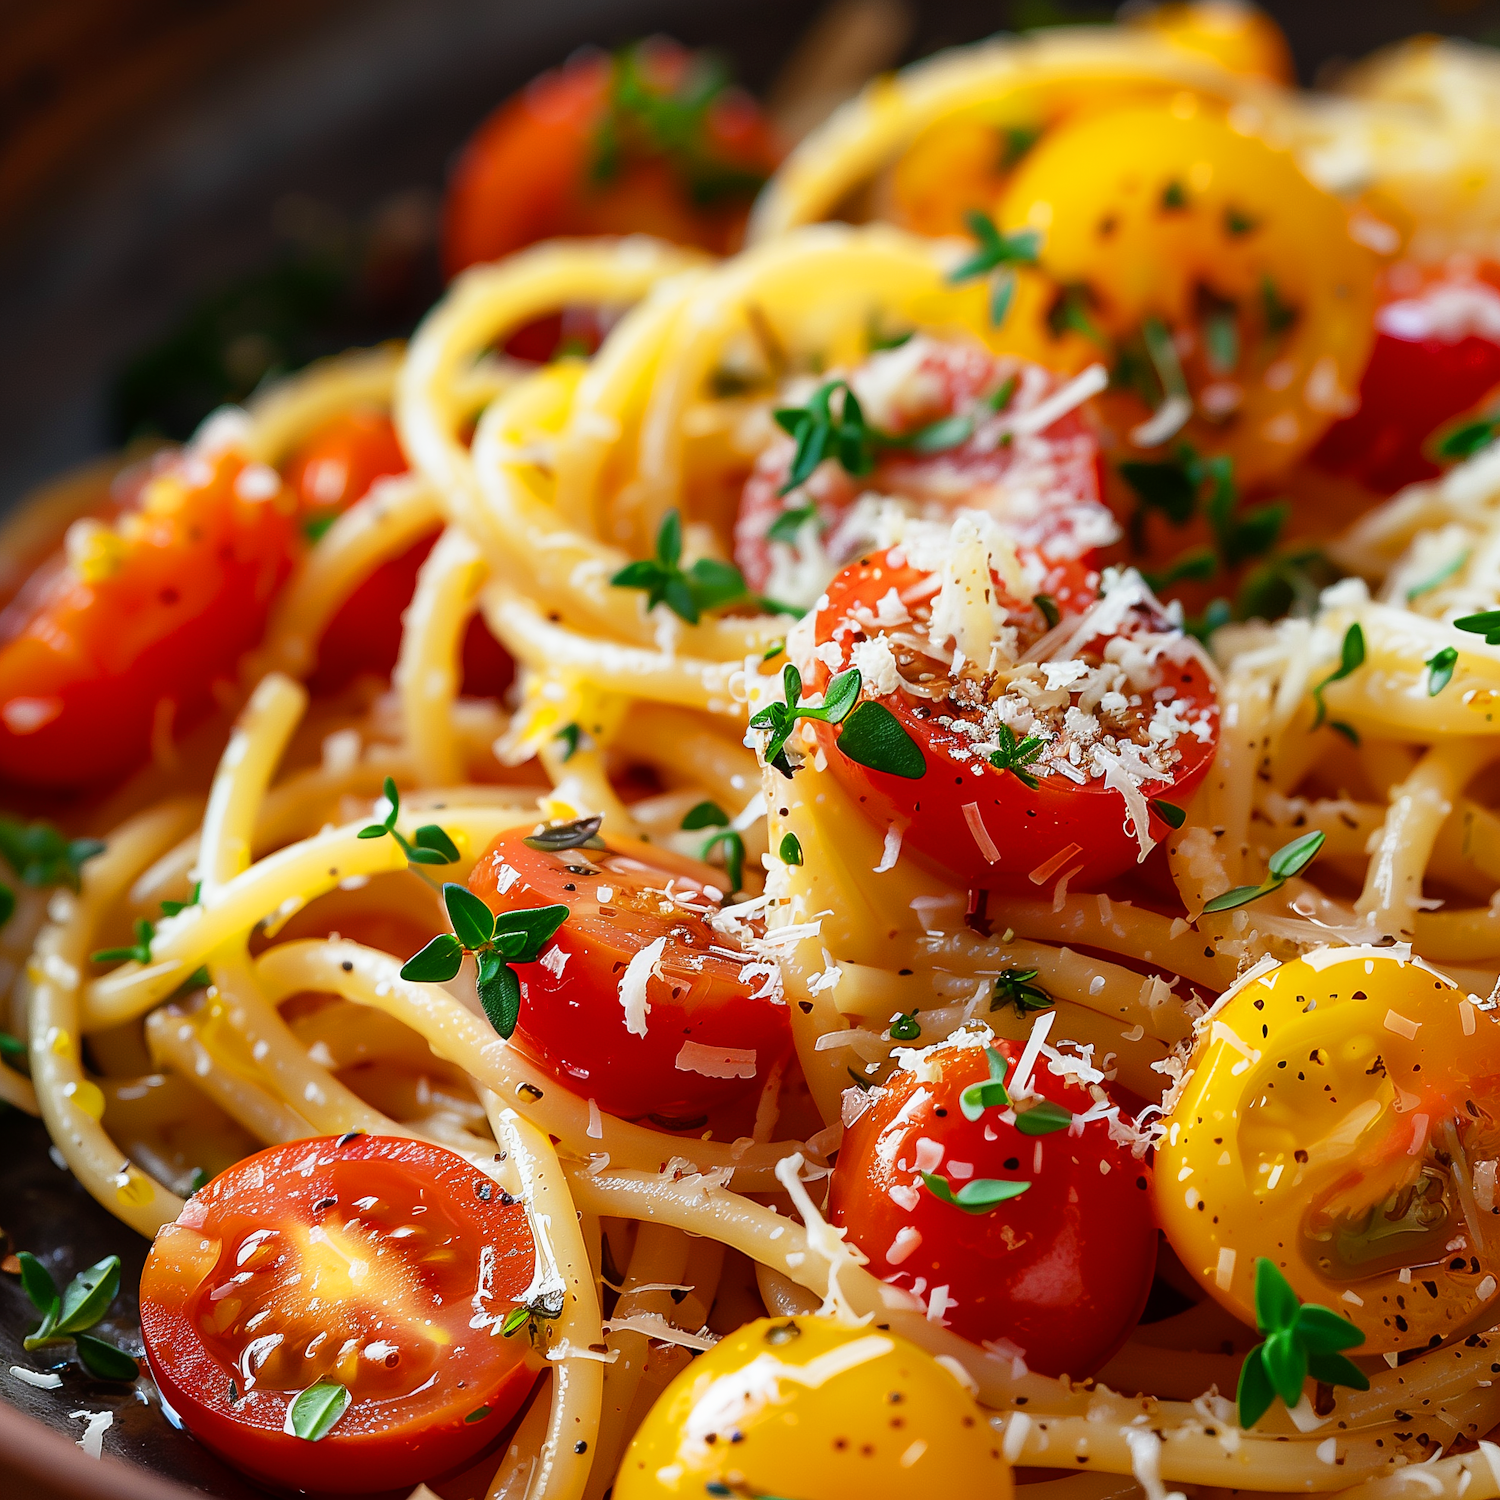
(1436, 355)
(335, 467)
(126, 636)
(1043, 488)
(648, 141)
(380, 1264)
(1152, 724)
(1062, 1270)
(710, 1036)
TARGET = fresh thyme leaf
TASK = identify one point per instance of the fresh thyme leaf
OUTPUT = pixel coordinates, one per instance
(1440, 669)
(991, 1094)
(821, 433)
(734, 855)
(437, 963)
(12, 1046)
(1014, 755)
(314, 1412)
(473, 921)
(995, 254)
(1237, 223)
(1174, 197)
(872, 736)
(140, 950)
(42, 855)
(1289, 860)
(1171, 815)
(905, 1027)
(773, 651)
(1468, 438)
(103, 1361)
(1299, 1339)
(1047, 607)
(499, 993)
(1351, 659)
(315, 528)
(433, 847)
(707, 584)
(787, 527)
(705, 815)
(1442, 575)
(779, 719)
(1279, 316)
(1486, 623)
(980, 1195)
(791, 849)
(1043, 1118)
(37, 1283)
(569, 734)
(172, 908)
(1014, 987)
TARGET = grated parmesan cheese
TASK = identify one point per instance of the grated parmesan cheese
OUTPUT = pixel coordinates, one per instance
(646, 965)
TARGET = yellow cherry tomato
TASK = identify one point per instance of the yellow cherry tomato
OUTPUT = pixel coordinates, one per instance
(1200, 264)
(817, 1409)
(1236, 36)
(1343, 1120)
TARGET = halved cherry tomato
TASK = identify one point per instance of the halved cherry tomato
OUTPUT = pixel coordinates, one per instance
(819, 1409)
(1343, 1119)
(1043, 487)
(1061, 1269)
(335, 467)
(647, 141)
(1436, 355)
(127, 636)
(673, 1036)
(382, 1265)
(1127, 714)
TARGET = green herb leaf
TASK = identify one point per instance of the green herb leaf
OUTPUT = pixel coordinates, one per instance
(516, 1319)
(103, 1361)
(980, 1195)
(872, 736)
(864, 1085)
(1293, 858)
(7, 904)
(905, 1027)
(1440, 667)
(499, 993)
(820, 433)
(1486, 623)
(1299, 1339)
(1468, 438)
(430, 839)
(520, 935)
(773, 651)
(705, 815)
(313, 1414)
(791, 849)
(477, 1415)
(569, 734)
(1442, 575)
(173, 908)
(991, 1094)
(787, 527)
(840, 697)
(140, 950)
(473, 921)
(12, 1046)
(1014, 987)
(41, 855)
(1015, 755)
(437, 963)
(1279, 316)
(582, 833)
(1172, 816)
(779, 719)
(1047, 607)
(37, 1283)
(200, 1180)
(734, 855)
(1351, 659)
(995, 254)
(1043, 1118)
(708, 584)
(89, 1295)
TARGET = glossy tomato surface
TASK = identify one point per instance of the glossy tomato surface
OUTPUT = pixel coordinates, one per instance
(382, 1264)
(1436, 356)
(1061, 1271)
(120, 644)
(985, 827)
(647, 141)
(714, 1021)
(1042, 487)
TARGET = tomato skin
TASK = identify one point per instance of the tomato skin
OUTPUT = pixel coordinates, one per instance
(1319, 1128)
(341, 460)
(168, 598)
(572, 1019)
(1421, 376)
(1030, 828)
(1062, 1271)
(529, 172)
(397, 1430)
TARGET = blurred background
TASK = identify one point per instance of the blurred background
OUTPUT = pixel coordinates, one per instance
(198, 194)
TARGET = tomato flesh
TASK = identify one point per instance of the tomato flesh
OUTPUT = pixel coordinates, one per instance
(553, 160)
(130, 641)
(1061, 1271)
(1083, 827)
(1436, 355)
(383, 1264)
(1043, 488)
(711, 1036)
